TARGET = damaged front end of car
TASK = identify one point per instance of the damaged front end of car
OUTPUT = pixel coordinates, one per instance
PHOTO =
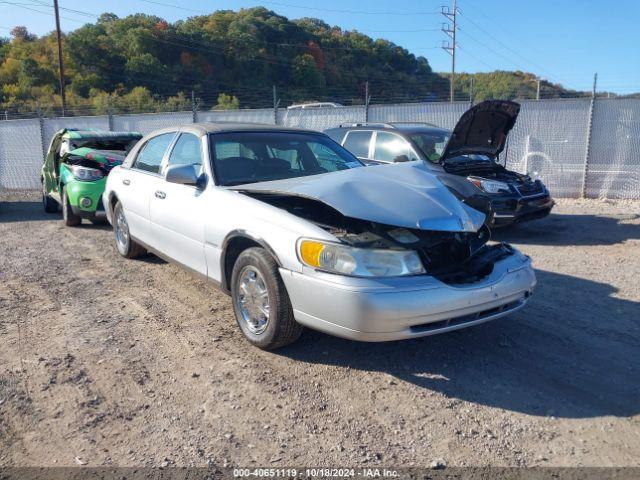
(398, 230)
(84, 171)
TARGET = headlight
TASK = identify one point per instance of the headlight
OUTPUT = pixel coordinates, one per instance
(489, 186)
(359, 262)
(86, 174)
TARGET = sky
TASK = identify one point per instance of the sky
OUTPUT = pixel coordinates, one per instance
(563, 41)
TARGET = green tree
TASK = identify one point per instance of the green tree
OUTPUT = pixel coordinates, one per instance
(227, 102)
(306, 72)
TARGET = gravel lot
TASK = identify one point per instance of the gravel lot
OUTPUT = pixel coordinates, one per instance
(105, 361)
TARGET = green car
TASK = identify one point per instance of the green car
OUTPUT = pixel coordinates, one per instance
(76, 168)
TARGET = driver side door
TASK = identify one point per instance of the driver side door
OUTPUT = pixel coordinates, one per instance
(178, 212)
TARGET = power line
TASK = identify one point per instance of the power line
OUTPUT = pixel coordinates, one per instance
(23, 5)
(304, 7)
(355, 12)
(518, 54)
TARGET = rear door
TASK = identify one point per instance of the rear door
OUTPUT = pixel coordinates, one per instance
(392, 148)
(178, 212)
(139, 182)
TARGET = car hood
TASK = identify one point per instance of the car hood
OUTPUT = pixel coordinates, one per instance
(108, 158)
(482, 130)
(403, 195)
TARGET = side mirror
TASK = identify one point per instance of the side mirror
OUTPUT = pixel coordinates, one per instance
(183, 175)
(401, 158)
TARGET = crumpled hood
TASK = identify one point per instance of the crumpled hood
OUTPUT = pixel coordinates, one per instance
(108, 158)
(403, 195)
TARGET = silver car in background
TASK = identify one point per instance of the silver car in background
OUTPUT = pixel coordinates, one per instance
(299, 234)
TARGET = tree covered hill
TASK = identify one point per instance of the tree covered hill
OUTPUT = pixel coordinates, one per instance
(229, 59)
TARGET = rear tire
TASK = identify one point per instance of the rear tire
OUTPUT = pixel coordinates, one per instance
(260, 301)
(70, 218)
(48, 203)
(126, 247)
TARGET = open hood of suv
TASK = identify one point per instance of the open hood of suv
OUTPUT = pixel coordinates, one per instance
(402, 195)
(482, 130)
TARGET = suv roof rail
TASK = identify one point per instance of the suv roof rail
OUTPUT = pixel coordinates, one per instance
(415, 123)
(367, 124)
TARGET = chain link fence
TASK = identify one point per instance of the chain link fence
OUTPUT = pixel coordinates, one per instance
(579, 147)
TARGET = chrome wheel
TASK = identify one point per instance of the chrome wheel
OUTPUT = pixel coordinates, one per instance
(121, 232)
(253, 300)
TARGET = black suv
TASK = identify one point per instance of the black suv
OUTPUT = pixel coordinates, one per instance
(465, 160)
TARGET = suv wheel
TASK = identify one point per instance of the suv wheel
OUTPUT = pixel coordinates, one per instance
(126, 247)
(70, 218)
(260, 301)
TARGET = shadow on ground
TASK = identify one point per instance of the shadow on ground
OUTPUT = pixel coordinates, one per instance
(577, 365)
(572, 230)
(26, 211)
(23, 211)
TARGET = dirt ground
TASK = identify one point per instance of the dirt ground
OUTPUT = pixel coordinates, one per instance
(107, 361)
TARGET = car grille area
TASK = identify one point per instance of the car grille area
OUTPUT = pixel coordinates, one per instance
(458, 322)
(529, 189)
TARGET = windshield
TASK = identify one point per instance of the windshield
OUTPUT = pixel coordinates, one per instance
(431, 144)
(250, 157)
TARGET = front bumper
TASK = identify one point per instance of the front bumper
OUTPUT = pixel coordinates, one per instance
(377, 310)
(78, 190)
(507, 211)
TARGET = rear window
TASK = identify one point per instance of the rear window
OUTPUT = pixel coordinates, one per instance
(357, 142)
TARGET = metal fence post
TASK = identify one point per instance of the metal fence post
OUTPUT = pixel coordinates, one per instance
(194, 108)
(276, 104)
(43, 142)
(587, 150)
(109, 115)
(367, 99)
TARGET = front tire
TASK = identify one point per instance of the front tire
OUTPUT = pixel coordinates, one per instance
(260, 301)
(126, 247)
(70, 219)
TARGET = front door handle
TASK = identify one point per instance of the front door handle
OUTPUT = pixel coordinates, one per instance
(160, 194)
(126, 181)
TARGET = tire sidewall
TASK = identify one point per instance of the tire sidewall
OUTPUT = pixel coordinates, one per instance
(252, 258)
(65, 205)
(127, 248)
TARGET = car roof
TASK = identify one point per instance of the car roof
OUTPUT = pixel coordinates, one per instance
(398, 127)
(81, 134)
(204, 128)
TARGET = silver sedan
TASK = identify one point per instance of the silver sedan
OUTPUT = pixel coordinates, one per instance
(288, 223)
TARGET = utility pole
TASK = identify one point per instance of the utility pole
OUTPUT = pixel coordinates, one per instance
(60, 63)
(450, 30)
(471, 92)
(538, 88)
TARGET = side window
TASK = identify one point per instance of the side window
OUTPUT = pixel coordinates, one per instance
(150, 156)
(187, 151)
(357, 142)
(392, 148)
